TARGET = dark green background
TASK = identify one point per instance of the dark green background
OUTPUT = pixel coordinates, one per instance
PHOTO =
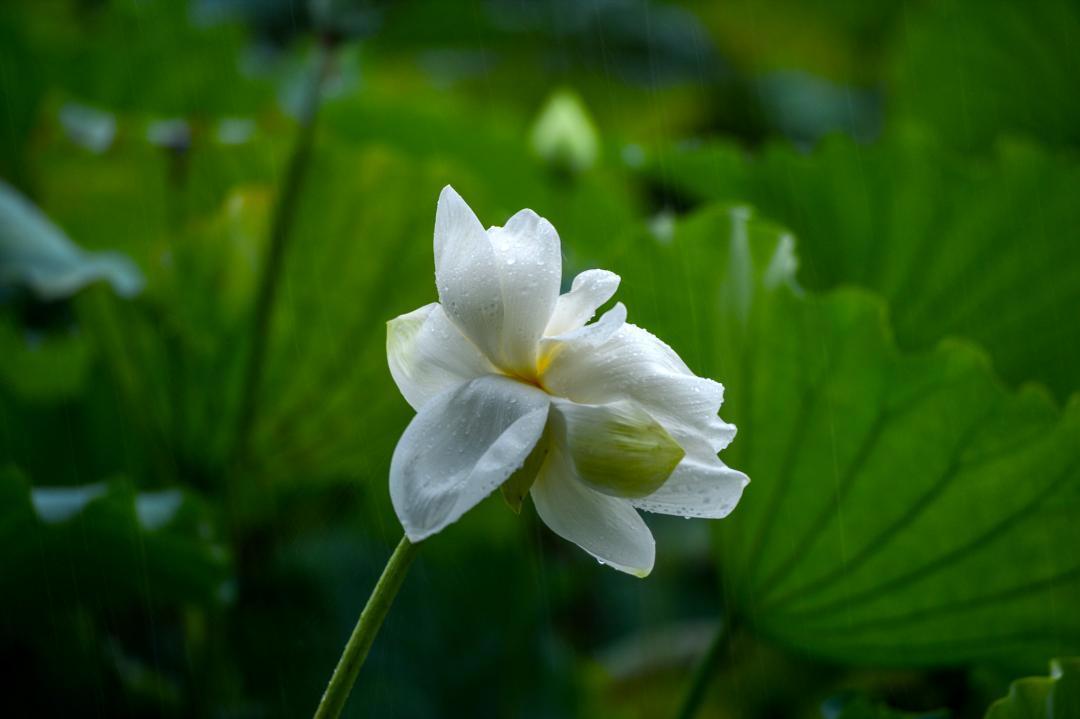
(861, 217)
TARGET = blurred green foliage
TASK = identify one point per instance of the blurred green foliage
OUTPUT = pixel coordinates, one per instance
(1053, 697)
(859, 707)
(896, 323)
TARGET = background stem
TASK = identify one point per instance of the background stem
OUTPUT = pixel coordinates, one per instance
(363, 634)
(705, 671)
(280, 226)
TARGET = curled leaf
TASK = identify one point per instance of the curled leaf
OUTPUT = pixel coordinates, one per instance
(36, 254)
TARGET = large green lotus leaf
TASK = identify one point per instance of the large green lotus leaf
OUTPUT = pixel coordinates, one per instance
(1053, 697)
(985, 250)
(104, 545)
(976, 69)
(904, 508)
(360, 255)
(178, 355)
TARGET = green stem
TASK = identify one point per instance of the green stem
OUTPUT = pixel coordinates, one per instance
(280, 226)
(705, 671)
(356, 649)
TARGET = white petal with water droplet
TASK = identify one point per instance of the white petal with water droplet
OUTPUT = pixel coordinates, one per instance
(428, 355)
(589, 291)
(643, 434)
(461, 446)
(499, 286)
(608, 528)
(633, 364)
(467, 273)
(701, 486)
(593, 335)
(530, 266)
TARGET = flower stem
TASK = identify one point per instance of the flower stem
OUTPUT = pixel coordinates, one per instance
(363, 634)
(280, 226)
(705, 670)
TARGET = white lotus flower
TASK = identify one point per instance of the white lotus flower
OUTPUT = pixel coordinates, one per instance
(514, 389)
